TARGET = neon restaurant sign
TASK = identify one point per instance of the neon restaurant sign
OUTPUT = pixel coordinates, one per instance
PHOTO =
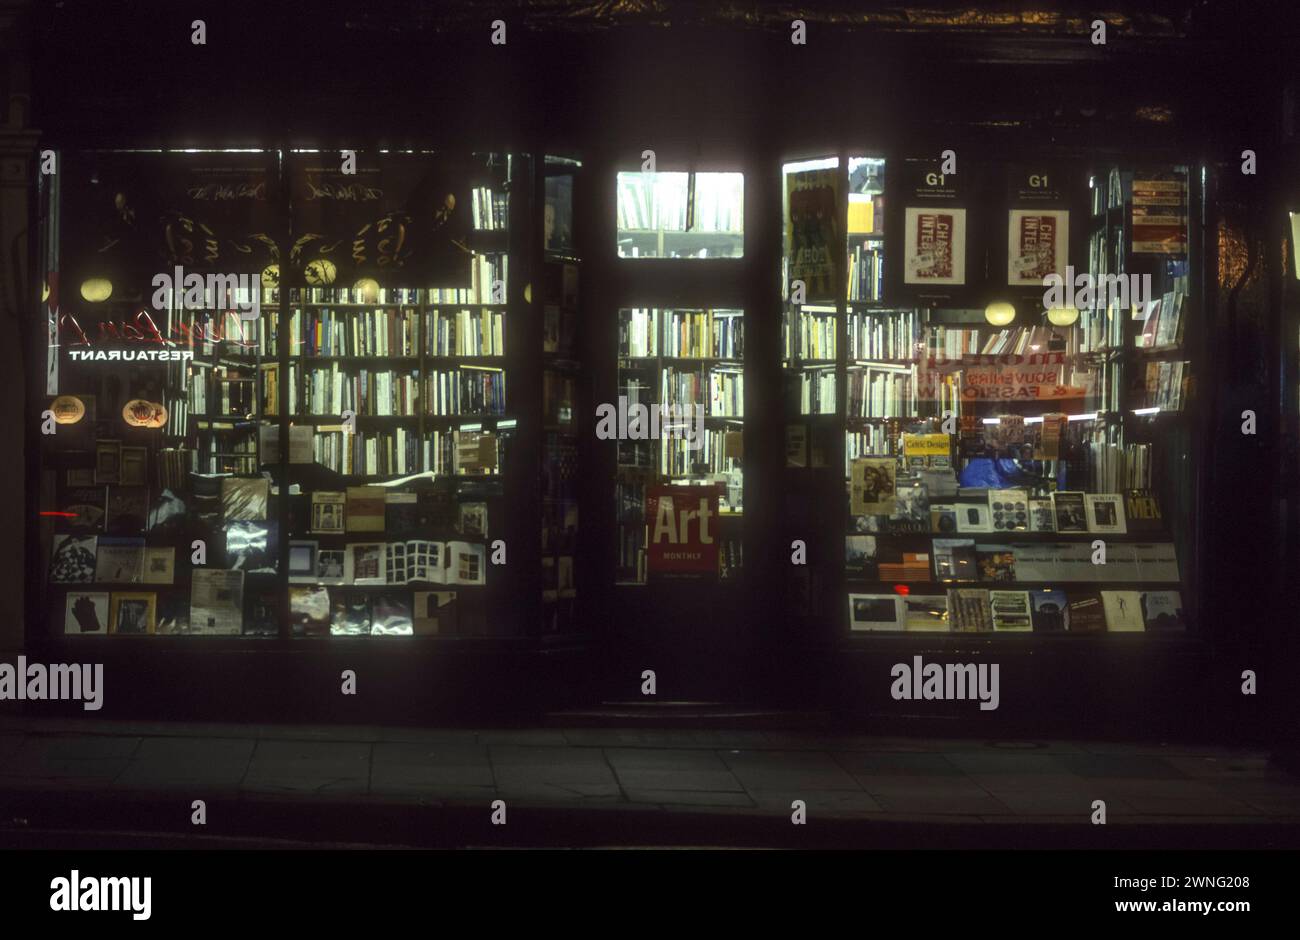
(140, 340)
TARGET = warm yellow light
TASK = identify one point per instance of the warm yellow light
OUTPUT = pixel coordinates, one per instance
(528, 293)
(1063, 316)
(45, 292)
(321, 272)
(271, 275)
(96, 289)
(367, 290)
(999, 313)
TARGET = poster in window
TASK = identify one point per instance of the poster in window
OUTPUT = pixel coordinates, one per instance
(684, 530)
(934, 248)
(1037, 245)
(812, 200)
(1160, 213)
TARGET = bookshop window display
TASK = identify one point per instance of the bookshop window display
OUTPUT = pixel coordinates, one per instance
(278, 390)
(1009, 468)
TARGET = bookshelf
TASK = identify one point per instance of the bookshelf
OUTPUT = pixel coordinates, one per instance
(564, 396)
(686, 365)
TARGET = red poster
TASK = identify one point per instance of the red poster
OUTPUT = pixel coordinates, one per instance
(684, 530)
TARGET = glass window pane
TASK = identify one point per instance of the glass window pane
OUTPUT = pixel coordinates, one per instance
(681, 215)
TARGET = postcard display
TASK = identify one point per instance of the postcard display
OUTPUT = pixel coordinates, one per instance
(330, 464)
(1023, 477)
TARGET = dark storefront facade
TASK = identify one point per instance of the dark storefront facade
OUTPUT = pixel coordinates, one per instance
(909, 454)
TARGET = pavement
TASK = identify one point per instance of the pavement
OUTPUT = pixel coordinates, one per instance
(102, 783)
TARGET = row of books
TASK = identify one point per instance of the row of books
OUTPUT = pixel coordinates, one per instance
(371, 453)
(370, 509)
(395, 296)
(330, 332)
(684, 334)
(976, 610)
(719, 452)
(224, 447)
(880, 391)
(313, 611)
(809, 333)
(469, 390)
(950, 560)
(467, 333)
(1115, 467)
(866, 272)
(335, 388)
(817, 391)
(1163, 325)
(894, 335)
(221, 391)
(413, 561)
(725, 390)
(316, 611)
(874, 490)
(401, 451)
(1168, 385)
(490, 209)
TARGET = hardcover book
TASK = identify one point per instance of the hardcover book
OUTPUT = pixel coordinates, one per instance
(391, 615)
(1086, 614)
(1049, 611)
(1069, 509)
(872, 485)
(872, 612)
(132, 613)
(1042, 516)
(974, 517)
(160, 564)
(1163, 610)
(72, 559)
(309, 610)
(1123, 611)
(302, 560)
(968, 610)
(1105, 513)
(1142, 510)
(1009, 510)
(217, 601)
(120, 560)
(350, 615)
(365, 508)
(1011, 611)
(327, 512)
(86, 613)
(367, 562)
(925, 613)
(996, 562)
(955, 560)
